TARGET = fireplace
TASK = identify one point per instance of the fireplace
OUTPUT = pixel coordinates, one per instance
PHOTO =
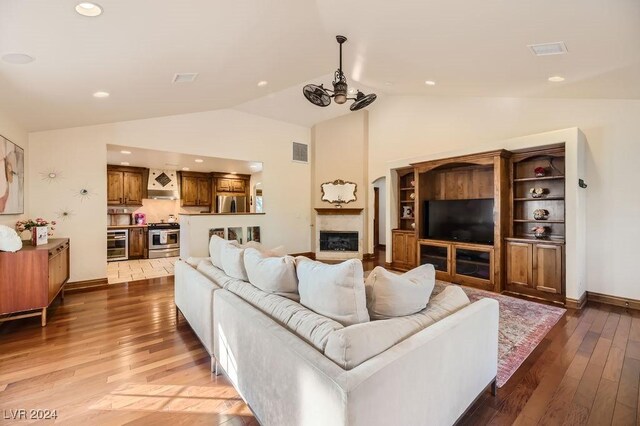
(339, 241)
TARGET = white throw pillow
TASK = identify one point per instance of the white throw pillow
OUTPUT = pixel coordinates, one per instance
(271, 274)
(274, 252)
(233, 262)
(390, 295)
(335, 291)
(215, 249)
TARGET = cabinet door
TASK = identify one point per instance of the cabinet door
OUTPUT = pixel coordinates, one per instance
(438, 255)
(237, 185)
(547, 268)
(55, 269)
(411, 243)
(224, 185)
(136, 242)
(472, 264)
(519, 264)
(132, 188)
(115, 188)
(204, 191)
(399, 248)
(189, 191)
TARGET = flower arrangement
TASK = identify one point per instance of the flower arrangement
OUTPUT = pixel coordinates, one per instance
(537, 192)
(540, 231)
(540, 171)
(29, 224)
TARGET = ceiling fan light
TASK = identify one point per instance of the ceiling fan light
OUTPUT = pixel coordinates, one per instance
(340, 92)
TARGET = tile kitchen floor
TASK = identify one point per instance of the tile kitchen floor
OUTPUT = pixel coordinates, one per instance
(142, 269)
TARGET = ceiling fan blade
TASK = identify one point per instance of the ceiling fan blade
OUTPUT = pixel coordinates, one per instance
(317, 95)
(362, 101)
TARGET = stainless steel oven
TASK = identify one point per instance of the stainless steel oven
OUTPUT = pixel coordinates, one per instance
(117, 244)
(164, 240)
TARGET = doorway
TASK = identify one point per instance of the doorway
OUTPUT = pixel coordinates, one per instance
(379, 213)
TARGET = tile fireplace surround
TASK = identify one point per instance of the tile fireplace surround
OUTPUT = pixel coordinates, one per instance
(335, 219)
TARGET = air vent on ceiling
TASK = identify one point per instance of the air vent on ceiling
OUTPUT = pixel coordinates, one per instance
(544, 49)
(300, 152)
(187, 77)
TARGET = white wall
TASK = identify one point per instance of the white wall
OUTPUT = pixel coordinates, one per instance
(16, 134)
(403, 127)
(80, 154)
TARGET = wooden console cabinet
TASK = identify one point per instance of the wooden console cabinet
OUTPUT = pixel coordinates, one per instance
(404, 249)
(535, 268)
(31, 278)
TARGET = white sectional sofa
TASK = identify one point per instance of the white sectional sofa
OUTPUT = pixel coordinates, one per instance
(294, 366)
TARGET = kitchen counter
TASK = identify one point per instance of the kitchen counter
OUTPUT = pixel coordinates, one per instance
(125, 226)
(222, 214)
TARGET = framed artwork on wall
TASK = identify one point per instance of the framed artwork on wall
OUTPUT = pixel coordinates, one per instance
(235, 234)
(11, 177)
(253, 233)
(218, 232)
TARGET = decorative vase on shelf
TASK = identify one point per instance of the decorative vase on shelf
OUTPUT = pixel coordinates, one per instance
(538, 192)
(412, 195)
(541, 214)
(541, 232)
(540, 172)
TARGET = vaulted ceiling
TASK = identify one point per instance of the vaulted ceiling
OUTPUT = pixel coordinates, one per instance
(468, 48)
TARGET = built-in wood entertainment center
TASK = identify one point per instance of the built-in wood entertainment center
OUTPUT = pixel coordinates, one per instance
(473, 218)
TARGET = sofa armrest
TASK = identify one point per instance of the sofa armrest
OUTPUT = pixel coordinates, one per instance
(435, 374)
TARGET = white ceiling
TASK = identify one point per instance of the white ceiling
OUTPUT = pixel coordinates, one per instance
(469, 48)
(153, 159)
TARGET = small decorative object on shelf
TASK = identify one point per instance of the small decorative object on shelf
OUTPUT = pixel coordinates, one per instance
(540, 232)
(413, 225)
(413, 182)
(538, 192)
(407, 212)
(412, 195)
(540, 171)
(39, 229)
(541, 214)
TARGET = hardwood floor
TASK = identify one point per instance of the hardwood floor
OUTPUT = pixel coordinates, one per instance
(116, 356)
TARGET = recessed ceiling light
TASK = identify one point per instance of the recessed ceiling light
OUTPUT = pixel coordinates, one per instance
(430, 83)
(17, 58)
(556, 79)
(388, 83)
(262, 83)
(124, 163)
(544, 49)
(101, 95)
(90, 10)
(185, 77)
(186, 169)
(199, 160)
(125, 152)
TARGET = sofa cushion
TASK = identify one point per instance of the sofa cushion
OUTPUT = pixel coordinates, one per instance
(351, 346)
(213, 273)
(311, 327)
(335, 291)
(274, 252)
(271, 274)
(216, 244)
(233, 262)
(391, 295)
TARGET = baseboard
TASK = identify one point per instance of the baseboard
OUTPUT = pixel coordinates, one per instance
(576, 303)
(87, 284)
(613, 300)
(368, 256)
(308, 254)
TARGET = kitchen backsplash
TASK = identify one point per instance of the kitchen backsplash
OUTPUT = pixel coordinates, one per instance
(159, 210)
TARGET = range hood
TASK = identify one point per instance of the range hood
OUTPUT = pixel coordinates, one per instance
(163, 185)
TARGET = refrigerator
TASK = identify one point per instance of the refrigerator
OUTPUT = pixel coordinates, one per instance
(231, 204)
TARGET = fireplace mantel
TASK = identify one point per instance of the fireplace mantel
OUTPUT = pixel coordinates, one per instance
(338, 211)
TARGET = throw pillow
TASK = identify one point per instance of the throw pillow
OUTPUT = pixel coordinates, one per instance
(215, 249)
(233, 262)
(390, 295)
(271, 274)
(274, 252)
(335, 291)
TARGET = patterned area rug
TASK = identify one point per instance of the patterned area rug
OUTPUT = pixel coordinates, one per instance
(523, 325)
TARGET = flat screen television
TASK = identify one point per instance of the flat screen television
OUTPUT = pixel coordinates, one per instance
(459, 220)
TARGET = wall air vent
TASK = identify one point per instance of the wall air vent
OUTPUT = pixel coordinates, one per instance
(187, 77)
(545, 49)
(300, 152)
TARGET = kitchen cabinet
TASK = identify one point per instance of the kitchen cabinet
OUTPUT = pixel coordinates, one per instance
(137, 242)
(195, 189)
(125, 186)
(230, 185)
(404, 249)
(535, 268)
(30, 279)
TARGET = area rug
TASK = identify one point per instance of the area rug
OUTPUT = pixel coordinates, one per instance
(523, 325)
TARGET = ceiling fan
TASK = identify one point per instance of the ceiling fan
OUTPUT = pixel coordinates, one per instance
(320, 96)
